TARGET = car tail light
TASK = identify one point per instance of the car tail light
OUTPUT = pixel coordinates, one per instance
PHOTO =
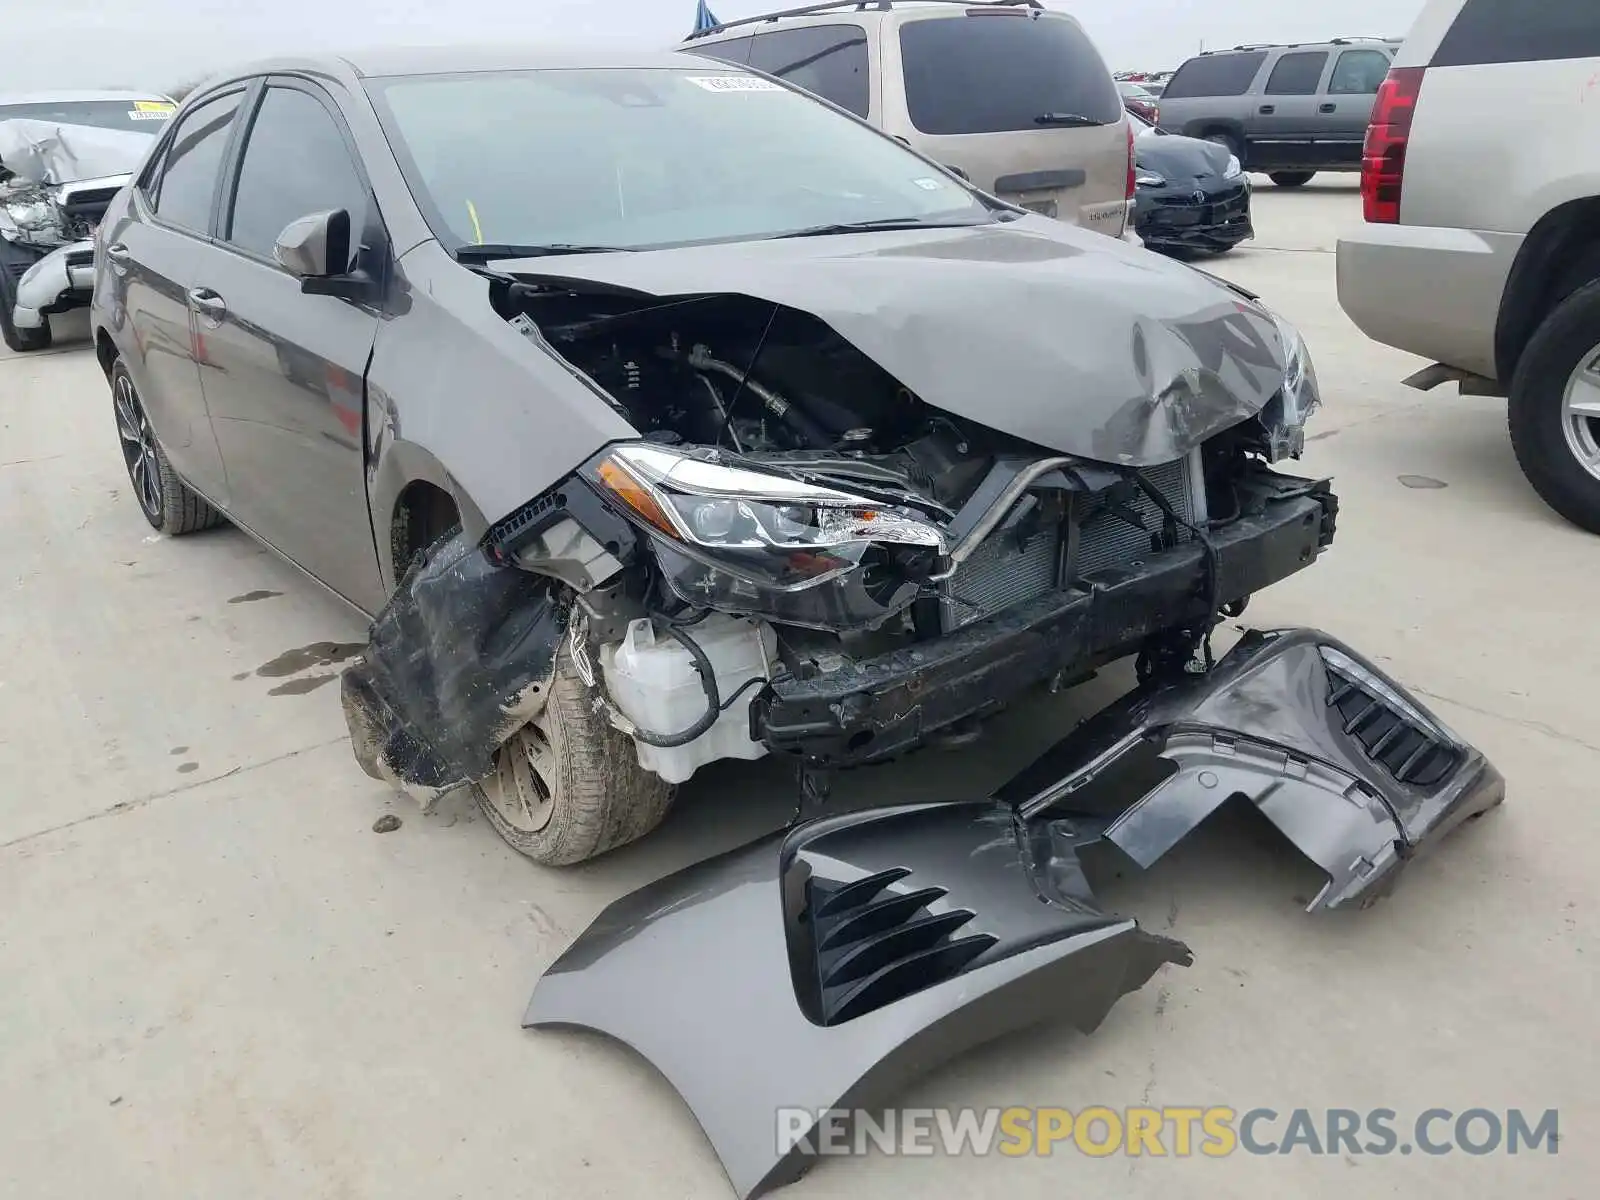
(1132, 186)
(1383, 157)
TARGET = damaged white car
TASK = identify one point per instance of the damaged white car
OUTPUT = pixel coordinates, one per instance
(63, 155)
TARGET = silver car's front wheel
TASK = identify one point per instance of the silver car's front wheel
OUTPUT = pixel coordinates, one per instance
(568, 785)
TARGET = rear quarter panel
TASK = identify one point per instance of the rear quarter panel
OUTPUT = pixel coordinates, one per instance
(1496, 146)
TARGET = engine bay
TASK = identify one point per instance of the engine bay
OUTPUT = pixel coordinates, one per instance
(769, 383)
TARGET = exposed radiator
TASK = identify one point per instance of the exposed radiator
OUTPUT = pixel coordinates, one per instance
(1000, 573)
(1105, 539)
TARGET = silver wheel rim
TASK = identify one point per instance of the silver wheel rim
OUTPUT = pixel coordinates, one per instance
(138, 447)
(524, 786)
(1580, 413)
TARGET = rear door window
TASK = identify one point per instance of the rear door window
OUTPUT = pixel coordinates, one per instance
(1358, 73)
(188, 182)
(733, 50)
(826, 60)
(1297, 74)
(1215, 75)
(1000, 72)
(1502, 31)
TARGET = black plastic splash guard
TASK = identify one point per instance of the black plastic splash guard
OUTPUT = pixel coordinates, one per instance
(459, 657)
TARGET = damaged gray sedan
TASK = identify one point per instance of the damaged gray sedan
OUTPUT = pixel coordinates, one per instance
(661, 413)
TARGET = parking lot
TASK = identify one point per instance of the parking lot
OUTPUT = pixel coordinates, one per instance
(217, 980)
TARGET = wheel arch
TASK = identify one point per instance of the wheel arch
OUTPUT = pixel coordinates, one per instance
(410, 494)
(1560, 255)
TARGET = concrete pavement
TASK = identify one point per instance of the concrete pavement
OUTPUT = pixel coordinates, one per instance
(216, 980)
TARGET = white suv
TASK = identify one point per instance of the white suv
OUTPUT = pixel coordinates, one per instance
(1481, 248)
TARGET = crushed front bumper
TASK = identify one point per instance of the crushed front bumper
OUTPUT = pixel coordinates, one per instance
(59, 282)
(879, 707)
(817, 970)
(1220, 222)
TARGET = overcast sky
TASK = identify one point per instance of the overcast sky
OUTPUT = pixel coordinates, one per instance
(160, 43)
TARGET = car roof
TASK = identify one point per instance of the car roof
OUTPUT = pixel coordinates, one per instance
(1330, 44)
(73, 97)
(378, 61)
(859, 12)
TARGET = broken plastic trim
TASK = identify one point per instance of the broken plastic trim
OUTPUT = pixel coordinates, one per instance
(1351, 768)
(900, 938)
(859, 950)
(457, 661)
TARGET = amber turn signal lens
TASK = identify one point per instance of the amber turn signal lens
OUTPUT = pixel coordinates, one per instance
(629, 490)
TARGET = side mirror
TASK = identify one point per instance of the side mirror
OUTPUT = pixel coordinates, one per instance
(315, 246)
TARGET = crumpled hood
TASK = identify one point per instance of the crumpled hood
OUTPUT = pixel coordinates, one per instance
(1069, 339)
(49, 152)
(1181, 160)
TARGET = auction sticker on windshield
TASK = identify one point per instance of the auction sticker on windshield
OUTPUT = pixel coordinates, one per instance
(151, 110)
(734, 83)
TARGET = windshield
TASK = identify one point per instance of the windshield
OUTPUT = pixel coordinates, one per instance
(645, 158)
(141, 115)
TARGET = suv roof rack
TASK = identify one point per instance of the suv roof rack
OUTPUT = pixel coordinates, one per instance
(855, 6)
(1338, 41)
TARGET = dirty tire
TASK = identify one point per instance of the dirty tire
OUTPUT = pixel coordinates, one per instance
(1535, 414)
(1292, 179)
(20, 340)
(599, 796)
(168, 503)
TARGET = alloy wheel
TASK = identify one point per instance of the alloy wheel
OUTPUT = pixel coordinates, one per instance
(1580, 413)
(138, 448)
(523, 789)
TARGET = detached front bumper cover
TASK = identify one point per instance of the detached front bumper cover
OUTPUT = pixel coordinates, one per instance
(821, 968)
(60, 281)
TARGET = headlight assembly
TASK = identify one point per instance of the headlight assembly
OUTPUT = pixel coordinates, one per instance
(1145, 178)
(1234, 169)
(1285, 415)
(31, 214)
(742, 540)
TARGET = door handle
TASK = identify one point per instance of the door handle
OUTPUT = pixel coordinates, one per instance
(209, 306)
(1268, 109)
(1327, 108)
(118, 256)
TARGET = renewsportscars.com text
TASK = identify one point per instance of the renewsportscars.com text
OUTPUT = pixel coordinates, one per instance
(1179, 1132)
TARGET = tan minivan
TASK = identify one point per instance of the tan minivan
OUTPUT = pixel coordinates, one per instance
(1012, 95)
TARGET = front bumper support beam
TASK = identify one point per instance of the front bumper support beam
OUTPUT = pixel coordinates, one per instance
(880, 707)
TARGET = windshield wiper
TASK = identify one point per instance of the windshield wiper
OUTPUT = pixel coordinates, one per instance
(1063, 118)
(886, 223)
(489, 251)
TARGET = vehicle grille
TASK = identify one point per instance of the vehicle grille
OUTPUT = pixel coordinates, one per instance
(1411, 752)
(1200, 198)
(874, 945)
(1105, 539)
(1001, 573)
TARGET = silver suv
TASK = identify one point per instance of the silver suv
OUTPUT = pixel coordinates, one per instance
(1481, 248)
(1287, 111)
(1013, 97)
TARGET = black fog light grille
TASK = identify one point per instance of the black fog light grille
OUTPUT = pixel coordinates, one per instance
(874, 945)
(1402, 742)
